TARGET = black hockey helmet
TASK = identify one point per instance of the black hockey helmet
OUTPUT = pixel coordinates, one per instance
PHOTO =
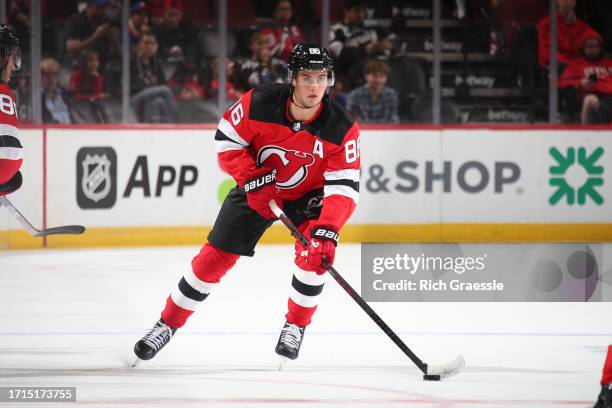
(9, 44)
(310, 57)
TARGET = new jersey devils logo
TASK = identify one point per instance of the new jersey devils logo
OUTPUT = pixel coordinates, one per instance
(291, 165)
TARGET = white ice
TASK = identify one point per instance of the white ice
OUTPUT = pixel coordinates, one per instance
(71, 318)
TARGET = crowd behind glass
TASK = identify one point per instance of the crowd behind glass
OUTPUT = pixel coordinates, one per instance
(494, 58)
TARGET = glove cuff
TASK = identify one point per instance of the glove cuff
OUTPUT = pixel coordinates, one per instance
(326, 234)
(260, 181)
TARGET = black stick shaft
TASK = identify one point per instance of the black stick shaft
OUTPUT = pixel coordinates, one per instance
(355, 296)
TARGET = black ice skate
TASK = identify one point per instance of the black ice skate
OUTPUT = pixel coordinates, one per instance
(147, 347)
(605, 397)
(289, 342)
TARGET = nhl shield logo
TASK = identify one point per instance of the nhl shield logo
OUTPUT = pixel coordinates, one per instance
(96, 177)
(96, 181)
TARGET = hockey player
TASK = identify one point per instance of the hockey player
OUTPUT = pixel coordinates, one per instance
(292, 144)
(11, 155)
(605, 397)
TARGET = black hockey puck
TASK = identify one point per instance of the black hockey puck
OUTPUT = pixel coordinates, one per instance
(432, 377)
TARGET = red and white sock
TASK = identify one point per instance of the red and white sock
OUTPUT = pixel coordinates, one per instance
(208, 267)
(306, 288)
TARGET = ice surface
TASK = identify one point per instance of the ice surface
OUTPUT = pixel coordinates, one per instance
(71, 318)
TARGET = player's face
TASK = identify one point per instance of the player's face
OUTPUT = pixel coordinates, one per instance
(310, 87)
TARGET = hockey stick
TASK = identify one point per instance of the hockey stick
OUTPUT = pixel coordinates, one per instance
(431, 372)
(66, 229)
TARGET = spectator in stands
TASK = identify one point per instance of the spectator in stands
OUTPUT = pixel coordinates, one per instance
(569, 30)
(86, 83)
(243, 72)
(374, 102)
(23, 95)
(350, 42)
(139, 21)
(55, 99)
(589, 81)
(184, 83)
(231, 91)
(176, 35)
(282, 36)
(267, 69)
(152, 99)
(92, 29)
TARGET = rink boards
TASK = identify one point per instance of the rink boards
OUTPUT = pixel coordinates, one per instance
(162, 185)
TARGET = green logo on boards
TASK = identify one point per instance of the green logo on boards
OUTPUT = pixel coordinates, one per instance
(576, 176)
(224, 189)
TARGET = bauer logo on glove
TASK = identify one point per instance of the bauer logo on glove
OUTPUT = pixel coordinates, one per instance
(324, 233)
(256, 184)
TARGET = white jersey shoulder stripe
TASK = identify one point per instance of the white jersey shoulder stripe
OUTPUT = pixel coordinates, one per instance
(226, 145)
(228, 130)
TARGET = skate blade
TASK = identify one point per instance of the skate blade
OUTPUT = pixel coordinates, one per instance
(282, 362)
(135, 362)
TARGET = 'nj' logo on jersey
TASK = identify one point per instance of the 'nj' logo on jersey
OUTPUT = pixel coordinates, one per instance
(291, 165)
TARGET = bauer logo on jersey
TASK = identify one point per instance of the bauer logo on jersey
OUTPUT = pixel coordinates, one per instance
(96, 177)
(291, 165)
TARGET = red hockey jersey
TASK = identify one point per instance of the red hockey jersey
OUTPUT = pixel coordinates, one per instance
(11, 154)
(323, 153)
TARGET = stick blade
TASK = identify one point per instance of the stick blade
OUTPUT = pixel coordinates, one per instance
(66, 229)
(438, 372)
